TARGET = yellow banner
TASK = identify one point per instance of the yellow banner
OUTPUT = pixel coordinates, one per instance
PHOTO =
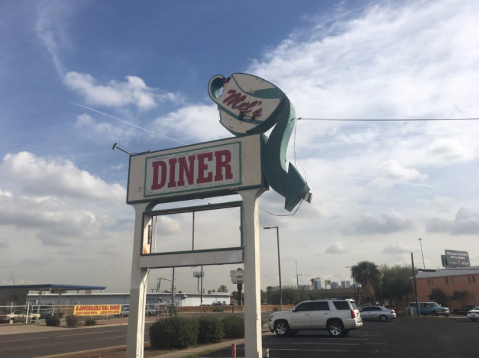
(97, 310)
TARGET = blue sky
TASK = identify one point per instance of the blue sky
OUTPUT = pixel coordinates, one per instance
(78, 76)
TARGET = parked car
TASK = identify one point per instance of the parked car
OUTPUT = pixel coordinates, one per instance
(43, 311)
(125, 311)
(17, 316)
(473, 314)
(151, 312)
(464, 309)
(431, 308)
(376, 313)
(337, 316)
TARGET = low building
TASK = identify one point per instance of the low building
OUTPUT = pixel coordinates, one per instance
(448, 281)
(182, 299)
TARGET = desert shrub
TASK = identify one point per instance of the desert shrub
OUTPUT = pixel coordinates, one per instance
(218, 309)
(210, 330)
(73, 321)
(275, 309)
(233, 327)
(174, 332)
(90, 322)
(53, 321)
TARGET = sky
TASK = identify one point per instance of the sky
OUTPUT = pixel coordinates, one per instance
(79, 76)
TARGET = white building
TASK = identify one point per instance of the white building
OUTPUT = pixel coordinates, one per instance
(183, 299)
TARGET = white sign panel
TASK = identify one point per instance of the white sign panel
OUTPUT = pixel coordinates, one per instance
(193, 170)
(206, 169)
(236, 280)
(236, 273)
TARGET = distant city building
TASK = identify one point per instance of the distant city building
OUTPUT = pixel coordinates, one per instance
(317, 283)
(334, 285)
(305, 287)
(345, 284)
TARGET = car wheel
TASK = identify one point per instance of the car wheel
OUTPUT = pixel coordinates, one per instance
(383, 318)
(281, 328)
(336, 329)
(434, 313)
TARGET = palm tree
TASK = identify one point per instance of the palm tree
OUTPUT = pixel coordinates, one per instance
(368, 275)
(223, 288)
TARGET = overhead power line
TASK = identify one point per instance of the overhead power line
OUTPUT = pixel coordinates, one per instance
(386, 120)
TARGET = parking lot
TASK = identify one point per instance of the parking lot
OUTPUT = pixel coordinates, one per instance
(432, 337)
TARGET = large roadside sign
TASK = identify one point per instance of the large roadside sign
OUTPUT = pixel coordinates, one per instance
(457, 258)
(236, 273)
(197, 171)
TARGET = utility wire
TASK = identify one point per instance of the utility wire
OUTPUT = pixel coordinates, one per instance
(386, 120)
(285, 214)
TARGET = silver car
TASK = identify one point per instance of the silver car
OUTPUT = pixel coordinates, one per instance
(375, 313)
(473, 314)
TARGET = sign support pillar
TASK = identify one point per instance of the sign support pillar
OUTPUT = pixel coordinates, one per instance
(252, 314)
(138, 286)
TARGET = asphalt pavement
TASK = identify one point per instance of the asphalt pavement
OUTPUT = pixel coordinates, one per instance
(424, 337)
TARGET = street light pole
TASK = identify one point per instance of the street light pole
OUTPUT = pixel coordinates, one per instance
(415, 283)
(279, 265)
(297, 275)
(420, 243)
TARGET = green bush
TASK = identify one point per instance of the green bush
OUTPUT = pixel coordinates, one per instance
(218, 309)
(233, 327)
(210, 330)
(53, 321)
(174, 332)
(90, 322)
(73, 321)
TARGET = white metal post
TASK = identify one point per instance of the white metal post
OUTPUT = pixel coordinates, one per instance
(252, 304)
(138, 285)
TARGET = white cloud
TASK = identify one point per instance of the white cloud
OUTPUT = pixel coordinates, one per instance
(103, 128)
(54, 222)
(3, 242)
(192, 123)
(391, 172)
(133, 91)
(397, 249)
(466, 222)
(338, 248)
(440, 204)
(58, 177)
(50, 29)
(448, 151)
(386, 223)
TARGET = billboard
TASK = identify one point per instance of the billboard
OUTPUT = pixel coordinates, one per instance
(96, 310)
(455, 258)
(201, 170)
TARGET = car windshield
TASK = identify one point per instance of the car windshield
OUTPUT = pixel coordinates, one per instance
(476, 308)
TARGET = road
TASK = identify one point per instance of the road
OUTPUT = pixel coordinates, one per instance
(70, 340)
(405, 337)
(65, 341)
